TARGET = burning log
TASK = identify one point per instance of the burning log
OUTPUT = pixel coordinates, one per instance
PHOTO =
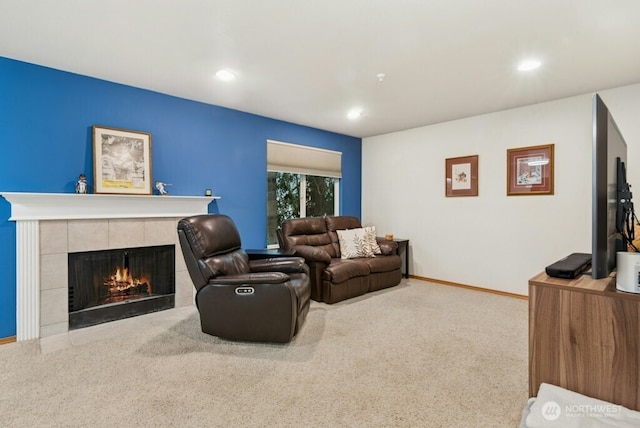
(122, 284)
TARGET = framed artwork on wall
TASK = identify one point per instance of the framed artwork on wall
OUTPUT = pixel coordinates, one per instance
(461, 176)
(121, 161)
(530, 170)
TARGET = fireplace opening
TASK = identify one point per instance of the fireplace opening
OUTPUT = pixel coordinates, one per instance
(109, 285)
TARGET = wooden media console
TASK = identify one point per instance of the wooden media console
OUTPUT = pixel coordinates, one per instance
(584, 336)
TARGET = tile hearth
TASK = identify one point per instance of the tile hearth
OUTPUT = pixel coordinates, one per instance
(84, 336)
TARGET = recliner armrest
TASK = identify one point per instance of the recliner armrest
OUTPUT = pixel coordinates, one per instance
(279, 264)
(252, 278)
(312, 254)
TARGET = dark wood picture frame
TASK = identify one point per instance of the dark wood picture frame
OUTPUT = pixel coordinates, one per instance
(530, 170)
(461, 176)
(121, 161)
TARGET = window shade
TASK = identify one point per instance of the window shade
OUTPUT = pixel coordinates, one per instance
(293, 158)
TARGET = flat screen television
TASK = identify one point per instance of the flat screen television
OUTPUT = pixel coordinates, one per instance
(608, 211)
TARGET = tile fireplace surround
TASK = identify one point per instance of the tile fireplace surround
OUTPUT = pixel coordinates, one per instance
(51, 225)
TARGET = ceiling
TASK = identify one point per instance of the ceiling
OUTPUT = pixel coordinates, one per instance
(309, 62)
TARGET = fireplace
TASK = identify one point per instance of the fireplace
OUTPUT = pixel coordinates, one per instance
(113, 284)
(49, 226)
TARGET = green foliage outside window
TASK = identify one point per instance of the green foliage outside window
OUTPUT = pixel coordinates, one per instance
(320, 196)
(283, 199)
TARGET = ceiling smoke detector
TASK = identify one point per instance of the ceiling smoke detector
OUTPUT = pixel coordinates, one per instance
(381, 76)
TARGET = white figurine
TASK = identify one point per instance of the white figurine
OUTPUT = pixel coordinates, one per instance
(160, 187)
(81, 184)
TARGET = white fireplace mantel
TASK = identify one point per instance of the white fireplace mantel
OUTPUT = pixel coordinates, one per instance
(28, 209)
(71, 206)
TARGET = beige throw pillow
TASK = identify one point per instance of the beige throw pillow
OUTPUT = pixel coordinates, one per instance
(359, 242)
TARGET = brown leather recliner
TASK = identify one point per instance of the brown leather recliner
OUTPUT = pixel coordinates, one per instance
(332, 278)
(264, 300)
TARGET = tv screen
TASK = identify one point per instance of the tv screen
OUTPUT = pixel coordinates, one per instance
(609, 149)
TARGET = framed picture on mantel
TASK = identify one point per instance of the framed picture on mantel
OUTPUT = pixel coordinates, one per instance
(121, 161)
(461, 176)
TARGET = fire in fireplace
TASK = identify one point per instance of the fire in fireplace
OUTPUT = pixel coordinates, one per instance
(114, 284)
(122, 286)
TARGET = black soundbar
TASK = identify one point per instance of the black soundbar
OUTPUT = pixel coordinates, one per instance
(570, 266)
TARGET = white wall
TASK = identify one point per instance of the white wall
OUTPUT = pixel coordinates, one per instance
(491, 241)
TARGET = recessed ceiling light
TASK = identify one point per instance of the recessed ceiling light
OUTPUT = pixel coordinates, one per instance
(528, 65)
(225, 75)
(354, 113)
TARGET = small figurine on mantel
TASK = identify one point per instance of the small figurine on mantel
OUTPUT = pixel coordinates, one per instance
(81, 184)
(161, 187)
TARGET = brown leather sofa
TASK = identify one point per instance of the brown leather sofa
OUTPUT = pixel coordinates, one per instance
(265, 300)
(332, 278)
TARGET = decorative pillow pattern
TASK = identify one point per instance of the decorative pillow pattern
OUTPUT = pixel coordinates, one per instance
(370, 232)
(359, 242)
(353, 243)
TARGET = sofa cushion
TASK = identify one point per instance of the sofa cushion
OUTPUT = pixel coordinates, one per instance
(309, 231)
(383, 264)
(342, 270)
(342, 222)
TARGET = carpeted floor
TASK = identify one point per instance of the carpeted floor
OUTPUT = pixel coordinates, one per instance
(416, 355)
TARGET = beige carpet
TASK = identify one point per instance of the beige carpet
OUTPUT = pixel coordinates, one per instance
(416, 355)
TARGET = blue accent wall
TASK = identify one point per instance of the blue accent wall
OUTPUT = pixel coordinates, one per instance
(46, 117)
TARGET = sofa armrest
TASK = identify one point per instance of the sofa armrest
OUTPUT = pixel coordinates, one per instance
(387, 247)
(279, 264)
(312, 254)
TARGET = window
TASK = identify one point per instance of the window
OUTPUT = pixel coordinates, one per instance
(301, 182)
